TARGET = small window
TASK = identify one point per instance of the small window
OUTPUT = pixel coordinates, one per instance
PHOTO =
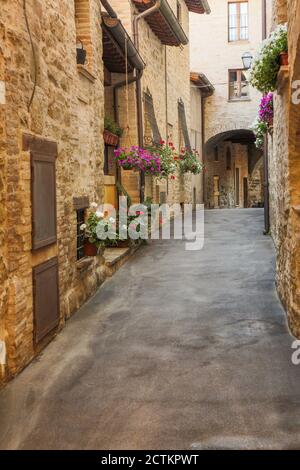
(216, 154)
(228, 159)
(238, 85)
(238, 21)
(179, 17)
(80, 235)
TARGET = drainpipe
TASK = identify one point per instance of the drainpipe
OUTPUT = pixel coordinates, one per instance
(109, 9)
(202, 143)
(266, 146)
(136, 21)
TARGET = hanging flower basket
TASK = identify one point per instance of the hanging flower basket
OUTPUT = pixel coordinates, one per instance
(110, 139)
(264, 121)
(138, 159)
(168, 158)
(188, 162)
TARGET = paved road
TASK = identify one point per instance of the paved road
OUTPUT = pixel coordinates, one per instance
(179, 350)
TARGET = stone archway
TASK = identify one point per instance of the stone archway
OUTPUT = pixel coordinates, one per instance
(228, 181)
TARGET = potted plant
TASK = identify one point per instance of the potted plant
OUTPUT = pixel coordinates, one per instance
(188, 162)
(138, 159)
(265, 67)
(112, 132)
(92, 244)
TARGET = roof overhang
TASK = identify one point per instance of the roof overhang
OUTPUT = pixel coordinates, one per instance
(198, 6)
(201, 81)
(114, 49)
(163, 22)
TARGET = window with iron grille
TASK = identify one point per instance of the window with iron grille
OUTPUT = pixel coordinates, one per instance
(238, 85)
(238, 21)
(80, 234)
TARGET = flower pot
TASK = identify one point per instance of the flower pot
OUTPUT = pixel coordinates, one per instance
(90, 249)
(284, 58)
(110, 139)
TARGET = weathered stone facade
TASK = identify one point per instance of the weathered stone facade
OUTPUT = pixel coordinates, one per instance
(284, 168)
(166, 79)
(66, 108)
(227, 120)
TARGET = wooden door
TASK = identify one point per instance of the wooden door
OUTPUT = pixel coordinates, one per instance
(216, 192)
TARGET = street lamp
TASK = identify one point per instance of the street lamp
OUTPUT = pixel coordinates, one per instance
(247, 58)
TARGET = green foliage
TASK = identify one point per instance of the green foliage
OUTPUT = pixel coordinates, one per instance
(111, 126)
(260, 129)
(189, 162)
(263, 75)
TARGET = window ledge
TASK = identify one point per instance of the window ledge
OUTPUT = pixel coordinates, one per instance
(84, 263)
(86, 73)
(238, 100)
(239, 42)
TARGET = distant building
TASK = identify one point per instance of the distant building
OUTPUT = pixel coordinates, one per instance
(234, 167)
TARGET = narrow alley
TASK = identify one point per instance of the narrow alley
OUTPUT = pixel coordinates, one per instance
(179, 350)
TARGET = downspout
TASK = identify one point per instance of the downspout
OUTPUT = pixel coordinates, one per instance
(202, 144)
(136, 20)
(266, 146)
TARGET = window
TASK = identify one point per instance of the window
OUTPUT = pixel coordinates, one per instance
(238, 21)
(179, 12)
(80, 234)
(228, 159)
(216, 154)
(238, 85)
(83, 33)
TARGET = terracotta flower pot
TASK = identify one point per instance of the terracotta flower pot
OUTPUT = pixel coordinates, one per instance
(284, 58)
(110, 139)
(90, 249)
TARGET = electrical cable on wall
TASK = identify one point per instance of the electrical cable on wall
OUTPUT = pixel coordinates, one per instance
(33, 55)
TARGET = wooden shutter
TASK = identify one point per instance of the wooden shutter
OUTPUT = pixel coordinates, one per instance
(183, 124)
(43, 190)
(45, 298)
(150, 117)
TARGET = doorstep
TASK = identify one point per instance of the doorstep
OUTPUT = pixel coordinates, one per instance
(115, 257)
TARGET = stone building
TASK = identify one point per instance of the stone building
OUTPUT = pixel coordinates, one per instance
(162, 39)
(234, 167)
(64, 66)
(51, 154)
(284, 167)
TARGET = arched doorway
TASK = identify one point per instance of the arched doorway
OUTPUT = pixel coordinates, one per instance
(230, 159)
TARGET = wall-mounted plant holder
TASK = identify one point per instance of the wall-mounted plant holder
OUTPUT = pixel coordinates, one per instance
(80, 53)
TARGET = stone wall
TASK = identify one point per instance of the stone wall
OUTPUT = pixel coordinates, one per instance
(67, 108)
(166, 78)
(284, 158)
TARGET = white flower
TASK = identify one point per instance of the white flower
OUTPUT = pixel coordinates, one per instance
(112, 220)
(82, 227)
(94, 205)
(99, 214)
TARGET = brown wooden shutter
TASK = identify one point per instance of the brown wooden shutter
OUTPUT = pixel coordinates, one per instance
(183, 124)
(43, 190)
(151, 118)
(45, 298)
